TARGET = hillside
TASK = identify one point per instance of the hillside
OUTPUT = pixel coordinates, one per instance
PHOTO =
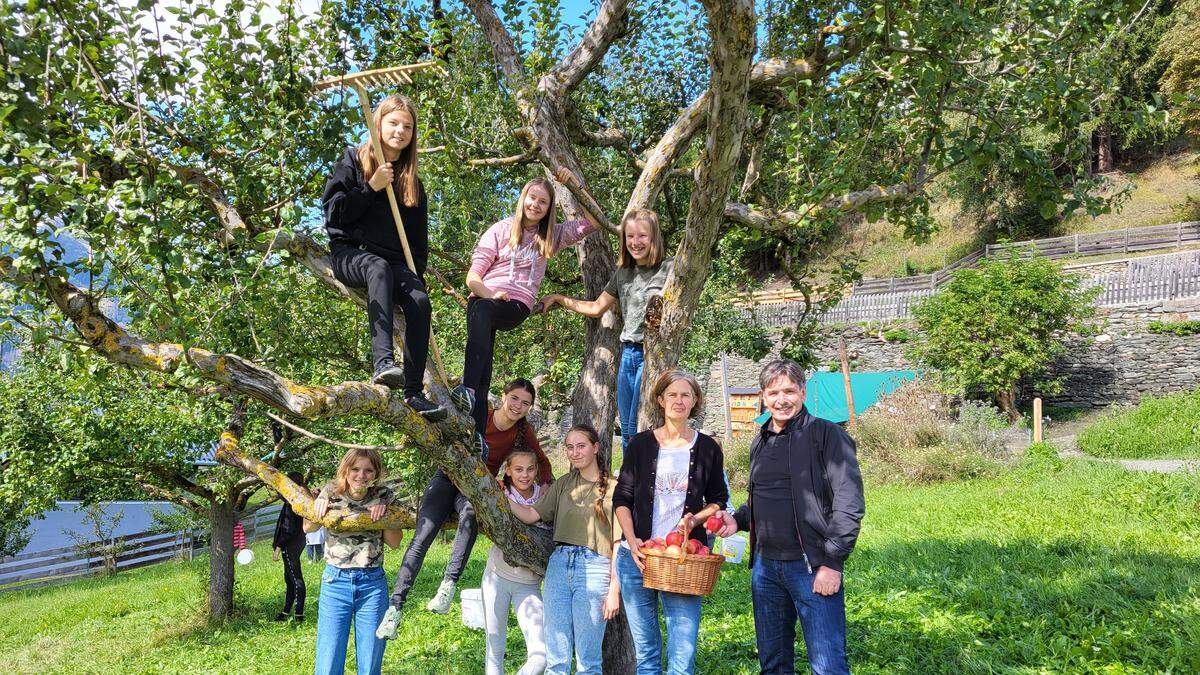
(1166, 190)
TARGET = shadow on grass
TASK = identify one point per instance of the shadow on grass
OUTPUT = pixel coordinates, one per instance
(943, 606)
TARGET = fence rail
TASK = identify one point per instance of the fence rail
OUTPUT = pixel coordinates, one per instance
(54, 565)
(1166, 277)
(1129, 240)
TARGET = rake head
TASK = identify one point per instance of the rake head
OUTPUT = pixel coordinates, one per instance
(380, 77)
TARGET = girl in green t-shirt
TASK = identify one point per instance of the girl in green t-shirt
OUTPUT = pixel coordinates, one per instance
(579, 600)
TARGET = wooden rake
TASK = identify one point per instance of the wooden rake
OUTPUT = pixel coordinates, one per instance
(388, 77)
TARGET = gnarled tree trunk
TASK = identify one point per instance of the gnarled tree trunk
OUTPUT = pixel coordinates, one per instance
(221, 518)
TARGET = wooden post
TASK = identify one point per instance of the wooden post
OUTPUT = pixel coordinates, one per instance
(846, 378)
(1037, 420)
(725, 402)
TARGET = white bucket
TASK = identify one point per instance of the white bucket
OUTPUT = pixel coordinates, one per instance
(472, 608)
(245, 556)
(733, 547)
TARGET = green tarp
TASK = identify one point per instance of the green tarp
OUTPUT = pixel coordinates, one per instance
(826, 395)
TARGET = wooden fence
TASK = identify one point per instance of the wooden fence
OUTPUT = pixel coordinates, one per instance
(1166, 277)
(1111, 242)
(134, 550)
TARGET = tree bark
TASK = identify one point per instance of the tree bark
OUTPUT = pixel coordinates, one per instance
(1007, 402)
(731, 27)
(1104, 150)
(221, 519)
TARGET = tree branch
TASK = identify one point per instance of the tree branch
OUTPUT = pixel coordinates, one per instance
(608, 25)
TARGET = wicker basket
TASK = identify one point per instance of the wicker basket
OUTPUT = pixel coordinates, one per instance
(681, 573)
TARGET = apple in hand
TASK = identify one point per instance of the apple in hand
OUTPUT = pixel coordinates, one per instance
(675, 538)
(714, 523)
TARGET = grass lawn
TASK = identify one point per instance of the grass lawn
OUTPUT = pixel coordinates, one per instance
(1166, 427)
(1090, 569)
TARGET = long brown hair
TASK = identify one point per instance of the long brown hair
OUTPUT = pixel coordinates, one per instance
(406, 179)
(649, 217)
(594, 437)
(341, 479)
(545, 230)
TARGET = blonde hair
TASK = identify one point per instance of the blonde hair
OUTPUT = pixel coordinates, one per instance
(341, 479)
(545, 230)
(649, 217)
(517, 450)
(406, 179)
(669, 378)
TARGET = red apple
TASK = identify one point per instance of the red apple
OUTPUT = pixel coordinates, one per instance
(672, 550)
(653, 544)
(675, 538)
(703, 551)
(693, 546)
(714, 524)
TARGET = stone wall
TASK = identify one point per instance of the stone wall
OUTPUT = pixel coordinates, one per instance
(1120, 364)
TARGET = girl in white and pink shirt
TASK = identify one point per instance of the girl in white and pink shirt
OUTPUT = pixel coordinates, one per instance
(507, 268)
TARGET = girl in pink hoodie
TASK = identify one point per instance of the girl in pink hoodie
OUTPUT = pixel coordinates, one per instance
(507, 268)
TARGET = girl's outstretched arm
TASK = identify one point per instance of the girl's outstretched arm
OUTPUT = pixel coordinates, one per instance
(525, 514)
(591, 308)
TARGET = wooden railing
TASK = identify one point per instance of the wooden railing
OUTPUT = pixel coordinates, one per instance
(1166, 277)
(135, 550)
(1110, 242)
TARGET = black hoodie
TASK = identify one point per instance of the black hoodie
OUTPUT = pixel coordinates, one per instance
(356, 215)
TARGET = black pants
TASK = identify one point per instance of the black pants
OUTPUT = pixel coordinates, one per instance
(389, 282)
(484, 318)
(293, 578)
(440, 498)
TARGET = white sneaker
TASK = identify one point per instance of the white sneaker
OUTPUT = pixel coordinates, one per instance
(390, 624)
(441, 601)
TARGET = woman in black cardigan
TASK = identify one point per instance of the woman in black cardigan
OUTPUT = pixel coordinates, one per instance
(288, 542)
(672, 478)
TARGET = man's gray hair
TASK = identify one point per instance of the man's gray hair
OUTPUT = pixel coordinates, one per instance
(781, 368)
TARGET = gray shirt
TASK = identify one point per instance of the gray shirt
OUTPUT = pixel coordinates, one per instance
(633, 287)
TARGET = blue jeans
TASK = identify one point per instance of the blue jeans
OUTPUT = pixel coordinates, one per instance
(351, 595)
(629, 388)
(641, 606)
(782, 591)
(573, 594)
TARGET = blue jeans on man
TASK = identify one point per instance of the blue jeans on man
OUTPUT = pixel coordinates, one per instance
(629, 388)
(573, 597)
(357, 596)
(682, 613)
(782, 592)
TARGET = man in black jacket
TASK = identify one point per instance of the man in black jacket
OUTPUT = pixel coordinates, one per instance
(803, 514)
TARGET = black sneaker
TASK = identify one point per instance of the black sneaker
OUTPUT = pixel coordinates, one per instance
(282, 616)
(426, 408)
(389, 376)
(481, 445)
(463, 399)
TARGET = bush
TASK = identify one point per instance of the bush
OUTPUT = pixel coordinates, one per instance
(1180, 328)
(910, 437)
(1167, 426)
(737, 462)
(1041, 458)
(900, 335)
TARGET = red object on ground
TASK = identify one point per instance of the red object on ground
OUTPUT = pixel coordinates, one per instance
(239, 537)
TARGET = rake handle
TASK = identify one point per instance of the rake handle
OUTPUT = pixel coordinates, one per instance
(364, 100)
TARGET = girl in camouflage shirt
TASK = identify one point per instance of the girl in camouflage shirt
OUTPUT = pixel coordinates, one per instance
(354, 588)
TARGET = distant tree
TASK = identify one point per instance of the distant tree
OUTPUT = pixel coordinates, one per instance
(1180, 48)
(991, 327)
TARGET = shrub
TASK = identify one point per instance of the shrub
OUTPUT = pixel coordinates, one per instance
(1180, 328)
(1041, 458)
(737, 462)
(1167, 426)
(900, 335)
(909, 437)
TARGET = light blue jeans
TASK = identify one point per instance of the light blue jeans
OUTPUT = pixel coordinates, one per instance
(576, 582)
(629, 387)
(350, 595)
(682, 613)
